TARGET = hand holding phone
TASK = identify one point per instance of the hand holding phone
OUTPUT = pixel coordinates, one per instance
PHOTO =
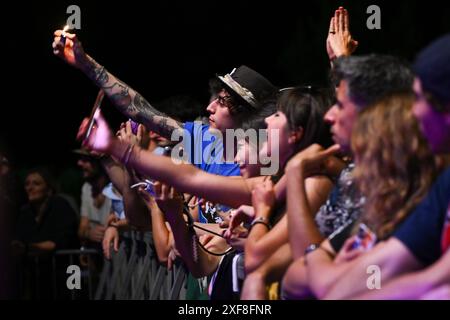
(94, 113)
(365, 238)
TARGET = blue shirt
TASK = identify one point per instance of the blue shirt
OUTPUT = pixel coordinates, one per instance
(422, 231)
(205, 151)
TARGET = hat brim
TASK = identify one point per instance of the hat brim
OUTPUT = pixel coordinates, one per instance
(232, 90)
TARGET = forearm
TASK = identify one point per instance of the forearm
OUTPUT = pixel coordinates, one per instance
(115, 172)
(322, 273)
(40, 247)
(413, 285)
(122, 224)
(407, 287)
(83, 229)
(302, 227)
(186, 177)
(128, 101)
(136, 209)
(161, 235)
(198, 261)
(391, 257)
(281, 189)
(262, 243)
(275, 267)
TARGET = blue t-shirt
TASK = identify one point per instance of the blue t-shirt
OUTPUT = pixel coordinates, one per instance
(205, 151)
(422, 231)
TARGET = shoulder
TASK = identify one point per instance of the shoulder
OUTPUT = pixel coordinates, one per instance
(319, 183)
(86, 188)
(195, 127)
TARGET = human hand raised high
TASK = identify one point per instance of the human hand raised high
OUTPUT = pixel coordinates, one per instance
(339, 40)
(71, 51)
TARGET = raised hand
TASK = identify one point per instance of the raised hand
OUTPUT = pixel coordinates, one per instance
(339, 40)
(168, 199)
(100, 139)
(71, 51)
(263, 198)
(126, 134)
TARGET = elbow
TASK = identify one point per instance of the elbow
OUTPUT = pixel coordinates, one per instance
(321, 280)
(163, 254)
(320, 287)
(162, 258)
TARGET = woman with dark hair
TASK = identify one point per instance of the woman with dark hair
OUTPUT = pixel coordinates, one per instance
(45, 224)
(299, 122)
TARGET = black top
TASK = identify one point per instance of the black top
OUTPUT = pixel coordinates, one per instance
(58, 224)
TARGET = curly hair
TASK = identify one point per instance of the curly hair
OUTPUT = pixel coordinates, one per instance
(394, 165)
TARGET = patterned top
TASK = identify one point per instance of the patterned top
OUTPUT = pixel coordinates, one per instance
(344, 204)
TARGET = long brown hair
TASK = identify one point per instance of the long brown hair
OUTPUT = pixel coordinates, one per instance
(394, 165)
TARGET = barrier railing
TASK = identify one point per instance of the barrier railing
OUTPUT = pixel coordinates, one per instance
(134, 272)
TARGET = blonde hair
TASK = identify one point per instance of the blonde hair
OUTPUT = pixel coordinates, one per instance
(394, 165)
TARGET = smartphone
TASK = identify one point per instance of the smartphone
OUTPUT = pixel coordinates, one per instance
(95, 109)
(134, 127)
(365, 238)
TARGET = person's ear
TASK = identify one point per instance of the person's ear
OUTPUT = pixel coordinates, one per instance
(295, 135)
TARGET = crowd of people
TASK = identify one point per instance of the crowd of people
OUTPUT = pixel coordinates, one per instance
(282, 193)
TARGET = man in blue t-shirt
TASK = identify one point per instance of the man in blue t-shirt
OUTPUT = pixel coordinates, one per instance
(424, 236)
(237, 96)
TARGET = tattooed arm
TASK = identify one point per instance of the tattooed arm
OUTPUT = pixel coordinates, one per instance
(126, 100)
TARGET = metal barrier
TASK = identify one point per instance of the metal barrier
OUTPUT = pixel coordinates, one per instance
(135, 273)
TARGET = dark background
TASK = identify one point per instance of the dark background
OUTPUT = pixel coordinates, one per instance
(163, 48)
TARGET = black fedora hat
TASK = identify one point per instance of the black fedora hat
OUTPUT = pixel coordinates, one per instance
(248, 85)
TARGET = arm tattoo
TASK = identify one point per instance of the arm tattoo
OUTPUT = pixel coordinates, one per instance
(130, 102)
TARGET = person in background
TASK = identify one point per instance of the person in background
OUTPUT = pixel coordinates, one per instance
(45, 224)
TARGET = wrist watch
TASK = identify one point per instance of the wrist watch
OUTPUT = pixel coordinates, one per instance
(261, 220)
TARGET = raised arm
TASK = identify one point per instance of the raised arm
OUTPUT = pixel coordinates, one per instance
(262, 243)
(125, 99)
(303, 230)
(339, 41)
(231, 191)
(198, 261)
